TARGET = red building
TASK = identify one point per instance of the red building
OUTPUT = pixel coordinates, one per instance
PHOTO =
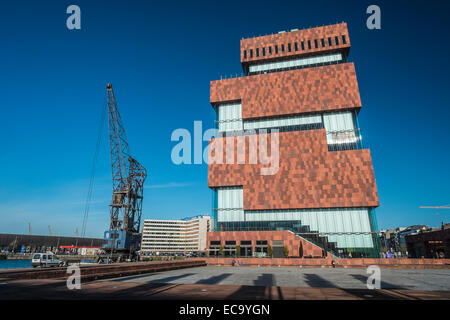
(288, 160)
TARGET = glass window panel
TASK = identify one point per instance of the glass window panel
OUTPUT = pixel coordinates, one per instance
(230, 117)
(336, 224)
(295, 62)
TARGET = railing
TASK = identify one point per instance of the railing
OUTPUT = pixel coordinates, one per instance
(274, 33)
(320, 241)
(232, 76)
(243, 74)
(287, 68)
(344, 140)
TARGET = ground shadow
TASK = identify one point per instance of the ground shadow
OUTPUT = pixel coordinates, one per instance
(214, 279)
(127, 278)
(384, 284)
(316, 281)
(250, 293)
(266, 279)
(172, 278)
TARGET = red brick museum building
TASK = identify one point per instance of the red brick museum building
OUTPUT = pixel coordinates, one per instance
(299, 88)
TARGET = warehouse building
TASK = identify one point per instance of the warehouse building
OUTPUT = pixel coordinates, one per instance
(37, 243)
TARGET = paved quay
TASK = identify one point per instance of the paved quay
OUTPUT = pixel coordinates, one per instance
(354, 278)
(243, 283)
(113, 290)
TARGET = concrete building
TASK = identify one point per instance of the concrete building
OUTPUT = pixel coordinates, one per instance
(394, 240)
(175, 236)
(299, 88)
(432, 243)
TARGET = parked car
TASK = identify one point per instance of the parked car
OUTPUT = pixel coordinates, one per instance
(46, 260)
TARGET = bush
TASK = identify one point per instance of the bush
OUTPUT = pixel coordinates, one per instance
(286, 251)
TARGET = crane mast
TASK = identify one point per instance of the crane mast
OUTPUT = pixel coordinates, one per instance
(128, 177)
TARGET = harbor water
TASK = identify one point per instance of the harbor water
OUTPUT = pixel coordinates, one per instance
(15, 263)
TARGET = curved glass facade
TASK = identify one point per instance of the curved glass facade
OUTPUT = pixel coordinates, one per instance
(340, 230)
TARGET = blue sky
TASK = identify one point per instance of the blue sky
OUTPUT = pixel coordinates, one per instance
(160, 58)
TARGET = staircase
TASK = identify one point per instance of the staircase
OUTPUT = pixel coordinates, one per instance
(320, 241)
(314, 237)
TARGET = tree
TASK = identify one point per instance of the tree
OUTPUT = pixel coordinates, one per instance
(238, 250)
(269, 251)
(286, 251)
(221, 250)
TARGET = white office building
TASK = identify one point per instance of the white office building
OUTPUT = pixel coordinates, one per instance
(167, 236)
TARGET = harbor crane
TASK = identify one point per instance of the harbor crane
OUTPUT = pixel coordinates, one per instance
(128, 175)
(447, 206)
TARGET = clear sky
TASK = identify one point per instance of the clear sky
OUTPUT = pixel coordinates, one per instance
(160, 58)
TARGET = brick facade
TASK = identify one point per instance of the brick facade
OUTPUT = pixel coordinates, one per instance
(299, 36)
(325, 88)
(297, 246)
(402, 263)
(309, 176)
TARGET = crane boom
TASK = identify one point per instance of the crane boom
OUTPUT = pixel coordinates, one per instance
(435, 207)
(128, 177)
(120, 152)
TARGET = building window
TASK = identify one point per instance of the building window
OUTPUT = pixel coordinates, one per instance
(292, 121)
(344, 41)
(264, 52)
(329, 42)
(309, 44)
(289, 47)
(257, 52)
(323, 42)
(246, 248)
(316, 43)
(296, 46)
(340, 128)
(230, 248)
(303, 45)
(251, 53)
(348, 227)
(261, 248)
(295, 63)
(270, 50)
(245, 54)
(230, 203)
(282, 48)
(229, 116)
(336, 40)
(276, 49)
